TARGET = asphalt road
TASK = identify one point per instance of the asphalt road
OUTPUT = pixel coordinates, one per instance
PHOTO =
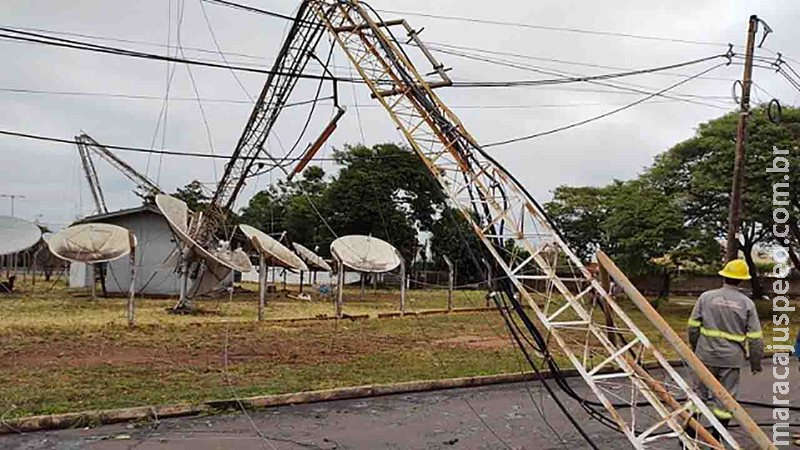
(492, 417)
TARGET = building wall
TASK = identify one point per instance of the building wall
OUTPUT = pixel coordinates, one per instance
(155, 245)
(695, 284)
(80, 275)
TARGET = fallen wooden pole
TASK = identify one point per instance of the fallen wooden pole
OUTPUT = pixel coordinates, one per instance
(688, 356)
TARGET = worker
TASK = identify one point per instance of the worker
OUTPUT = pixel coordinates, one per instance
(723, 325)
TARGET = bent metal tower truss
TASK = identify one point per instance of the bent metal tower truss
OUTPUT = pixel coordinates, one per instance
(569, 312)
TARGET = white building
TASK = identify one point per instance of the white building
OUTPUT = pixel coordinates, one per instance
(156, 244)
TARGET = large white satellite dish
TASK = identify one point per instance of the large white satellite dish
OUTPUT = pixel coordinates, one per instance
(275, 252)
(17, 235)
(314, 261)
(218, 263)
(91, 243)
(178, 215)
(365, 253)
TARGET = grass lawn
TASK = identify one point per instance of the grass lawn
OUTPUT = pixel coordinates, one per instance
(62, 352)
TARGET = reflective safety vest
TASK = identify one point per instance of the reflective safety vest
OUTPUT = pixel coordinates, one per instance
(726, 319)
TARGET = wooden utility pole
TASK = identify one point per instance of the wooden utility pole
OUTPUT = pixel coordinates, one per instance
(735, 213)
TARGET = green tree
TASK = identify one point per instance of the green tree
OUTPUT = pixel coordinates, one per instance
(287, 207)
(194, 196)
(697, 173)
(453, 237)
(579, 212)
(384, 191)
(634, 223)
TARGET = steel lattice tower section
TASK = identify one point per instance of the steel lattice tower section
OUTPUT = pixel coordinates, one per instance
(537, 265)
(297, 50)
(90, 172)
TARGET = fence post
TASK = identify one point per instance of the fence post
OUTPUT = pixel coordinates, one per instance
(262, 285)
(132, 291)
(450, 282)
(402, 285)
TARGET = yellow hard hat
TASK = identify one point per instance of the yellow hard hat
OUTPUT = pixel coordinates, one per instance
(736, 269)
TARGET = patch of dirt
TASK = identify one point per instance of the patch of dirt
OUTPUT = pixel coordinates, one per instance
(201, 346)
(476, 342)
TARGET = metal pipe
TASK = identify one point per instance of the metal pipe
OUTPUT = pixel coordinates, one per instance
(402, 285)
(450, 283)
(262, 285)
(132, 290)
(688, 356)
(339, 287)
(94, 281)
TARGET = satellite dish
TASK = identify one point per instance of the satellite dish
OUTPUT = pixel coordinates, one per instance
(237, 258)
(365, 253)
(17, 235)
(314, 261)
(91, 243)
(275, 252)
(178, 216)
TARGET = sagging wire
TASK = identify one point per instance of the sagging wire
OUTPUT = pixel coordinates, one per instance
(600, 116)
(627, 88)
(421, 97)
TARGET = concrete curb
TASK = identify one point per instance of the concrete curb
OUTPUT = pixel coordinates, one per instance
(111, 416)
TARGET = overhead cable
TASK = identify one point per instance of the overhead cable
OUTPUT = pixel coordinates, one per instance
(585, 78)
(144, 150)
(601, 116)
(554, 28)
(25, 36)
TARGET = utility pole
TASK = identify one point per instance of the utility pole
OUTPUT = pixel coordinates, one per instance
(735, 213)
(12, 197)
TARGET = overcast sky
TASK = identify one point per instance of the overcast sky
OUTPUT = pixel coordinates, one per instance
(49, 175)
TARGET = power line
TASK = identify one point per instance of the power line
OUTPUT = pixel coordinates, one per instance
(221, 54)
(554, 28)
(39, 137)
(136, 41)
(141, 96)
(637, 89)
(36, 38)
(123, 96)
(253, 9)
(555, 60)
(224, 55)
(585, 78)
(598, 117)
(84, 46)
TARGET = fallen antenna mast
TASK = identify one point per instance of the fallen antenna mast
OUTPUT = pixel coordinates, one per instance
(145, 188)
(295, 53)
(539, 269)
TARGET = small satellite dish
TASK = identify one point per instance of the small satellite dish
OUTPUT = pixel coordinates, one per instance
(312, 260)
(275, 252)
(366, 253)
(91, 243)
(17, 235)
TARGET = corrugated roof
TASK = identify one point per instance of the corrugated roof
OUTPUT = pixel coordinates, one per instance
(146, 208)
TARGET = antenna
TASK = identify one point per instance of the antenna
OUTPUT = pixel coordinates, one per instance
(215, 264)
(17, 235)
(366, 253)
(145, 188)
(275, 253)
(314, 261)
